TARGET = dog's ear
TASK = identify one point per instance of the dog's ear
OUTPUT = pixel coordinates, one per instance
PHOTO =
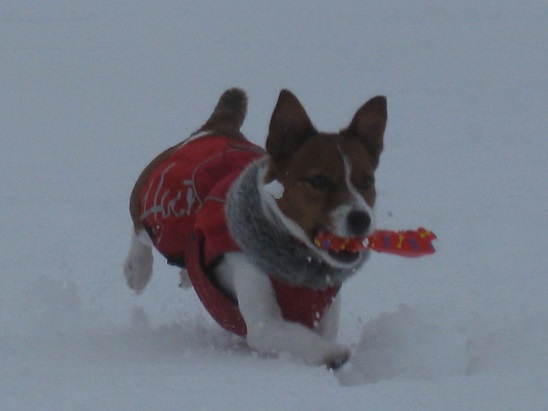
(368, 126)
(290, 127)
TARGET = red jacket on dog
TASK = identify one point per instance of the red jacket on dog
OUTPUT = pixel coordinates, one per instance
(182, 209)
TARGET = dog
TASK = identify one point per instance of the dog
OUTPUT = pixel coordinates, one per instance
(241, 221)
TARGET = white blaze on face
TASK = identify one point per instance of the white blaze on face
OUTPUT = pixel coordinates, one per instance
(339, 216)
(275, 189)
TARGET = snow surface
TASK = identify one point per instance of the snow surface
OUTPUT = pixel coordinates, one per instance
(91, 91)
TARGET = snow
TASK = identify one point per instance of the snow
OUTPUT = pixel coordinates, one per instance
(91, 91)
(275, 189)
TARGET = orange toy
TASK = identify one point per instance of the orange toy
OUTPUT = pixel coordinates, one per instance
(408, 243)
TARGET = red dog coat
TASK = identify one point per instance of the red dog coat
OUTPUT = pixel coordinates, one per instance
(182, 209)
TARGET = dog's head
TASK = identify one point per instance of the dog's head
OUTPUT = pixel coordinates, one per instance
(324, 182)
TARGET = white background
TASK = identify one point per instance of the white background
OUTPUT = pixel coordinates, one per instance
(91, 91)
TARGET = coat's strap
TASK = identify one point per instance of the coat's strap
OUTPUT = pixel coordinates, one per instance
(224, 310)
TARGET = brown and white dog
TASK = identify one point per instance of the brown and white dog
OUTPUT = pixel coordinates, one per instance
(242, 222)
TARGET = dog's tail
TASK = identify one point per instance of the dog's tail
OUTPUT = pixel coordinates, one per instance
(229, 113)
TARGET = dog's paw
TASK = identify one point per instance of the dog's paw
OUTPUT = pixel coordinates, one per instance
(333, 356)
(185, 279)
(138, 269)
(137, 275)
(338, 359)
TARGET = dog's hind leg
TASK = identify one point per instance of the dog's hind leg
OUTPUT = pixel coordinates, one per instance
(138, 265)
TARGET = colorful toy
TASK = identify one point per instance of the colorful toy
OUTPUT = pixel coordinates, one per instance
(408, 243)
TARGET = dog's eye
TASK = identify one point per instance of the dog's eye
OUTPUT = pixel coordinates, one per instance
(366, 183)
(320, 182)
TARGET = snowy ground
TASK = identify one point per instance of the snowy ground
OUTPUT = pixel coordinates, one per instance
(90, 91)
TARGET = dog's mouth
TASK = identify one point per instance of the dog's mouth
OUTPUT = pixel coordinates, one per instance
(346, 250)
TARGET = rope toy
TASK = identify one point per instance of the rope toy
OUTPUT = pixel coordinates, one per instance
(408, 243)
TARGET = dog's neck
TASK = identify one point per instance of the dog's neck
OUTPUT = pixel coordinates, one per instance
(268, 241)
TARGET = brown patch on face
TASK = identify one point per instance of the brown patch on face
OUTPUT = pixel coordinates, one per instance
(314, 183)
(310, 164)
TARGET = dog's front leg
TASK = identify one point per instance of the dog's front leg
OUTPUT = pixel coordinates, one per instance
(329, 324)
(267, 331)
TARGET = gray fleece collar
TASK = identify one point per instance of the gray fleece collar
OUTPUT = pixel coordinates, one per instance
(263, 237)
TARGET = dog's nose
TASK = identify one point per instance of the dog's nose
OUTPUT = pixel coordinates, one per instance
(358, 222)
